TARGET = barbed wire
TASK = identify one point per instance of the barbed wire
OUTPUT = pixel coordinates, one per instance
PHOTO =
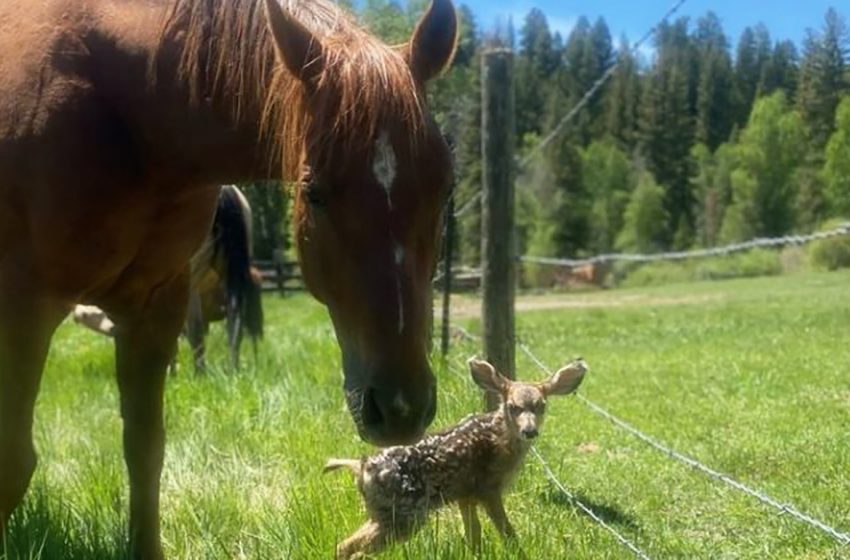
(468, 205)
(693, 463)
(555, 132)
(551, 475)
(554, 479)
(841, 230)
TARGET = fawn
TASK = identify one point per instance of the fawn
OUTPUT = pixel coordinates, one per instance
(470, 463)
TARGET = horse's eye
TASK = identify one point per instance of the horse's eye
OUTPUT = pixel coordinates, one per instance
(314, 194)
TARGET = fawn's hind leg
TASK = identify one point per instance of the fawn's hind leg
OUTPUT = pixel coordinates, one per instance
(371, 537)
(471, 525)
(374, 536)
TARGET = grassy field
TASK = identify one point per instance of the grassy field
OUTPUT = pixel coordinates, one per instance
(751, 377)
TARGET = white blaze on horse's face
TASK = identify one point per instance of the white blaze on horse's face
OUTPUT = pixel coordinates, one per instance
(399, 259)
(384, 166)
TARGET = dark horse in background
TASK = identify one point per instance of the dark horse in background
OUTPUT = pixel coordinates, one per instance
(118, 121)
(224, 286)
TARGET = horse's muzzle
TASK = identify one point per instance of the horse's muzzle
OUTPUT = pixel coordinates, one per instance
(392, 416)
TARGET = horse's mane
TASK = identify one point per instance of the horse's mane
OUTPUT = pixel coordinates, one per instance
(228, 54)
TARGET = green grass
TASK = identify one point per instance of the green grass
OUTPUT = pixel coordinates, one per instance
(748, 376)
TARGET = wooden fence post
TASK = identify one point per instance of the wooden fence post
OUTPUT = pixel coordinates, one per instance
(497, 236)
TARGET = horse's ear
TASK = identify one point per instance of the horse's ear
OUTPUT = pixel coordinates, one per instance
(296, 46)
(434, 41)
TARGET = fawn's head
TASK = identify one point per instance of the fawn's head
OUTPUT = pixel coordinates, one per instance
(524, 404)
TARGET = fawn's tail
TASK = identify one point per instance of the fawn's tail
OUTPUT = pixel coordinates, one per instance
(353, 465)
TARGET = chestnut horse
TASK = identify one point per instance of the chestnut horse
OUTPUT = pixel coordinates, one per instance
(224, 286)
(117, 122)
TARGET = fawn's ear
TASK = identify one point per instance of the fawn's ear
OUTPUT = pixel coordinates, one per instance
(486, 377)
(566, 380)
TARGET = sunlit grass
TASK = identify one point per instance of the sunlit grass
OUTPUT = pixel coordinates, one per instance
(749, 376)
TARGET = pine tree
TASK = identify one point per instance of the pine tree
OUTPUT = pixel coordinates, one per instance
(535, 65)
(600, 57)
(823, 77)
(667, 123)
(622, 101)
(571, 206)
(573, 80)
(751, 62)
(456, 102)
(781, 73)
(715, 111)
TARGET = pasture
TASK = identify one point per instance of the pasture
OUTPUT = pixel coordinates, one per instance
(748, 376)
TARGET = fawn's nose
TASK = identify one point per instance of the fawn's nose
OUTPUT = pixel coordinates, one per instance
(394, 416)
(529, 433)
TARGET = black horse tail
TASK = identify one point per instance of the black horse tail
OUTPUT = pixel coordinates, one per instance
(253, 309)
(232, 238)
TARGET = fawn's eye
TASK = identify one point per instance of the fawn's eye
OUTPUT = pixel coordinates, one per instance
(514, 409)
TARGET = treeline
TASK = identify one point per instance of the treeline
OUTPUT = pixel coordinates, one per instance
(695, 145)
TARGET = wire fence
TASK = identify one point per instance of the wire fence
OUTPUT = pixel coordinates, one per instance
(787, 240)
(620, 538)
(696, 465)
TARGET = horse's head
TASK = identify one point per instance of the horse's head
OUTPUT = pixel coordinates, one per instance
(376, 174)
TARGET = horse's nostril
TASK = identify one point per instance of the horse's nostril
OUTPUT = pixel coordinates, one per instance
(372, 415)
(393, 417)
(431, 412)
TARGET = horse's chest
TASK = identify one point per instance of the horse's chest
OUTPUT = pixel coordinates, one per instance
(124, 243)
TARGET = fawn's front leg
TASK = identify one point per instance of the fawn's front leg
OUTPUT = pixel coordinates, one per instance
(471, 525)
(496, 510)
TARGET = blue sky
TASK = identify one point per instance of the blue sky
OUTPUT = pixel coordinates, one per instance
(786, 19)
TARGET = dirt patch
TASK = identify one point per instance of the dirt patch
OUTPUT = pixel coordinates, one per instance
(466, 307)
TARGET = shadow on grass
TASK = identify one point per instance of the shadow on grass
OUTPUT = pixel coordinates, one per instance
(41, 530)
(610, 514)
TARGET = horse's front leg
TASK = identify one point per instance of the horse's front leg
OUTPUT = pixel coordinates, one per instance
(145, 344)
(28, 317)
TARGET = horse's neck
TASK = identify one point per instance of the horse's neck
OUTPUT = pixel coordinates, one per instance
(193, 124)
